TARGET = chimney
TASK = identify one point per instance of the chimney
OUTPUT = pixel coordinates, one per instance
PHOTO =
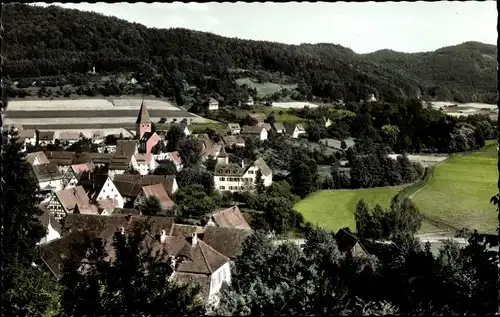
(194, 239)
(163, 236)
(93, 70)
(243, 163)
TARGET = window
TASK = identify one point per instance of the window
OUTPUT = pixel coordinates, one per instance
(222, 187)
(222, 179)
(250, 172)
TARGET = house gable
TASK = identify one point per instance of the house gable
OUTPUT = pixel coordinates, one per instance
(109, 191)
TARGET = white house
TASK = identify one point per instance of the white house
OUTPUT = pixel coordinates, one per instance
(294, 130)
(100, 187)
(234, 177)
(175, 158)
(52, 226)
(26, 137)
(144, 163)
(49, 177)
(210, 277)
(213, 104)
(254, 132)
(37, 158)
(371, 98)
(233, 128)
(248, 101)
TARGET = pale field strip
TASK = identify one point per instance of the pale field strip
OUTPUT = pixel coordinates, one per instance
(88, 132)
(96, 120)
(88, 104)
(293, 105)
(472, 105)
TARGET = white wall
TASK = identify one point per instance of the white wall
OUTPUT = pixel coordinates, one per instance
(54, 183)
(109, 191)
(234, 183)
(51, 234)
(217, 278)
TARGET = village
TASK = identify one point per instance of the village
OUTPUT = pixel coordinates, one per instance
(82, 189)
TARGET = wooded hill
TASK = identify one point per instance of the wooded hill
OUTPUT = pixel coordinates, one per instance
(54, 41)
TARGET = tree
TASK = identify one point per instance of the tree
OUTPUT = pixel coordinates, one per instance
(210, 163)
(303, 176)
(165, 168)
(190, 152)
(270, 119)
(193, 202)
(132, 170)
(136, 283)
(83, 145)
(259, 182)
(150, 206)
(363, 219)
(249, 120)
(21, 231)
(278, 214)
(314, 132)
(174, 137)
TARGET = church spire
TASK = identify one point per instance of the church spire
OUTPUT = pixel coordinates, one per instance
(143, 117)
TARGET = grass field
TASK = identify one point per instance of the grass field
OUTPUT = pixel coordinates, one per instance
(265, 88)
(334, 209)
(284, 117)
(459, 192)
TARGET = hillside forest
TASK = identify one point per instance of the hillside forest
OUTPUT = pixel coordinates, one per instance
(62, 46)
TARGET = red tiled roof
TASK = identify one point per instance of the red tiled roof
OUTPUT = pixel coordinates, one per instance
(176, 158)
(80, 168)
(76, 198)
(230, 218)
(159, 192)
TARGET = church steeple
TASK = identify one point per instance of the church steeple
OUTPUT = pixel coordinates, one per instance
(143, 122)
(143, 117)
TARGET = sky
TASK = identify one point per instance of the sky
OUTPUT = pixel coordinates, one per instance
(363, 27)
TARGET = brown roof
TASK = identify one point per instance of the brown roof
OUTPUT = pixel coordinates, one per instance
(126, 147)
(54, 252)
(120, 162)
(42, 159)
(69, 135)
(263, 167)
(75, 199)
(278, 126)
(46, 135)
(248, 129)
(258, 116)
(25, 134)
(143, 158)
(229, 170)
(228, 241)
(46, 172)
(200, 258)
(92, 183)
(130, 185)
(62, 158)
(80, 168)
(233, 139)
(105, 227)
(179, 230)
(230, 218)
(176, 158)
(143, 116)
(159, 192)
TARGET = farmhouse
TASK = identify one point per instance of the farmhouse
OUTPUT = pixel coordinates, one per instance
(68, 138)
(72, 175)
(158, 191)
(100, 187)
(62, 159)
(48, 176)
(119, 164)
(234, 177)
(228, 218)
(294, 130)
(233, 128)
(129, 186)
(279, 128)
(37, 158)
(72, 200)
(233, 140)
(228, 241)
(26, 137)
(213, 104)
(45, 137)
(254, 132)
(144, 163)
(337, 144)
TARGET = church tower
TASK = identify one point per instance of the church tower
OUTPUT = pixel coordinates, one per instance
(143, 122)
